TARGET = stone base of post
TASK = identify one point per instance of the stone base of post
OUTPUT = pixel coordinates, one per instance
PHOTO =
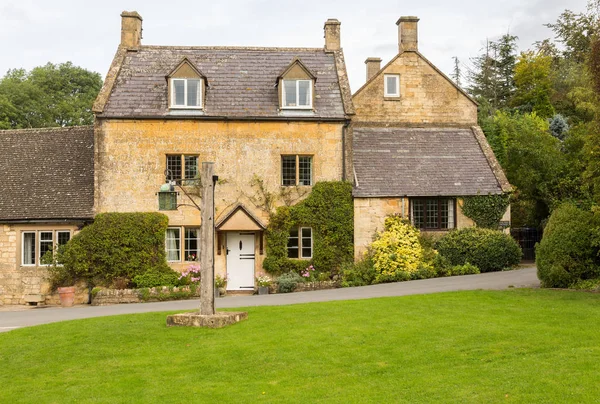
(218, 320)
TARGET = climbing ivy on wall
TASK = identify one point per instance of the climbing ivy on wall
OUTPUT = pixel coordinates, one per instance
(486, 210)
(329, 210)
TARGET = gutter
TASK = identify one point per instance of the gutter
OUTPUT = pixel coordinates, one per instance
(225, 118)
(17, 221)
(344, 130)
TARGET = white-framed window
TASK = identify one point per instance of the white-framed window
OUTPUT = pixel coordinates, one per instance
(192, 243)
(186, 93)
(297, 94)
(29, 248)
(391, 85)
(37, 243)
(300, 243)
(173, 244)
(296, 170)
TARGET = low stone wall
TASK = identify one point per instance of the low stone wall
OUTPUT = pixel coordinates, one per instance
(305, 287)
(104, 297)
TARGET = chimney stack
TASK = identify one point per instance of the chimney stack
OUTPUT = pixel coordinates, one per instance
(332, 34)
(407, 34)
(373, 66)
(131, 29)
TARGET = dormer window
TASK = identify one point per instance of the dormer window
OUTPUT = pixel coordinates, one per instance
(391, 85)
(297, 94)
(296, 85)
(186, 93)
(186, 86)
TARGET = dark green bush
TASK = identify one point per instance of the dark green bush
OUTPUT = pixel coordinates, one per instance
(360, 273)
(486, 210)
(116, 245)
(489, 250)
(154, 277)
(287, 282)
(566, 253)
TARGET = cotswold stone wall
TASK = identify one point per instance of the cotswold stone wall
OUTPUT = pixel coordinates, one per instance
(130, 160)
(370, 214)
(17, 280)
(106, 297)
(426, 97)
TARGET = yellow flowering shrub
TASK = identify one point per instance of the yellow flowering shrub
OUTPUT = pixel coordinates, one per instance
(397, 251)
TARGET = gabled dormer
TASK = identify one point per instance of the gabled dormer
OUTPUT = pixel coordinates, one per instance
(186, 86)
(296, 85)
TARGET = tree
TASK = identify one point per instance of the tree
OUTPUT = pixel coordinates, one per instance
(50, 95)
(533, 84)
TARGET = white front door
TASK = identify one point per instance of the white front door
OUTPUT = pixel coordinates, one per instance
(240, 260)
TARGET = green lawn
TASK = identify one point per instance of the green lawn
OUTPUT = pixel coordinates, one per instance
(530, 346)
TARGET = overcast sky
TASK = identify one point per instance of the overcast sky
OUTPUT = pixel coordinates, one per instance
(33, 33)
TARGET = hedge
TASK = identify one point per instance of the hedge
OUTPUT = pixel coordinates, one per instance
(489, 250)
(115, 245)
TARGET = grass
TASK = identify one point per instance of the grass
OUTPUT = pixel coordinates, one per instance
(530, 346)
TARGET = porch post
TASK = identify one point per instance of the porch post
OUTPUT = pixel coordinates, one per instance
(207, 242)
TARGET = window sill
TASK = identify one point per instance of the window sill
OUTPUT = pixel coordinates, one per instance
(392, 98)
(296, 186)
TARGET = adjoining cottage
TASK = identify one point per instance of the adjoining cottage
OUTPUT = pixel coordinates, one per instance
(47, 196)
(275, 115)
(416, 145)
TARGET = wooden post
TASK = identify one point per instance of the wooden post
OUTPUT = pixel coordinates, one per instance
(207, 242)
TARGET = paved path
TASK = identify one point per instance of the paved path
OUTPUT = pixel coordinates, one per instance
(525, 277)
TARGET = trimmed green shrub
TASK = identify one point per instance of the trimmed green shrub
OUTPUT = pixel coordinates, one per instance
(156, 277)
(287, 282)
(329, 211)
(359, 273)
(489, 250)
(397, 251)
(486, 210)
(115, 245)
(566, 253)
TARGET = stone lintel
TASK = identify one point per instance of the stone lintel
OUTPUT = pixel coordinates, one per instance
(218, 320)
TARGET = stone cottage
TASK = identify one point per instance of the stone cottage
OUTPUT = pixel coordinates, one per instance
(283, 118)
(416, 145)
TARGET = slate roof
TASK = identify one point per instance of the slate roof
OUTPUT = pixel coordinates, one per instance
(421, 162)
(47, 173)
(241, 81)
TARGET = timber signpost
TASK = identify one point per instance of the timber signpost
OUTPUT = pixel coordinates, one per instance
(207, 316)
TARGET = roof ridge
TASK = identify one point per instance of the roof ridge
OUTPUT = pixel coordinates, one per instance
(50, 129)
(249, 48)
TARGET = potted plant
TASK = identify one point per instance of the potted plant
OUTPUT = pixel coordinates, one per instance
(220, 285)
(60, 278)
(263, 281)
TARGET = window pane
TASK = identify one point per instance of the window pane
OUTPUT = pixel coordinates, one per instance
(193, 87)
(305, 163)
(63, 237)
(289, 89)
(450, 213)
(293, 244)
(192, 244)
(28, 248)
(191, 167)
(444, 214)
(179, 92)
(306, 242)
(174, 167)
(173, 245)
(417, 213)
(45, 243)
(304, 93)
(432, 214)
(288, 170)
(392, 85)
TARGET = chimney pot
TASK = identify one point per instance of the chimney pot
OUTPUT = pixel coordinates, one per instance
(131, 29)
(408, 39)
(373, 66)
(332, 34)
